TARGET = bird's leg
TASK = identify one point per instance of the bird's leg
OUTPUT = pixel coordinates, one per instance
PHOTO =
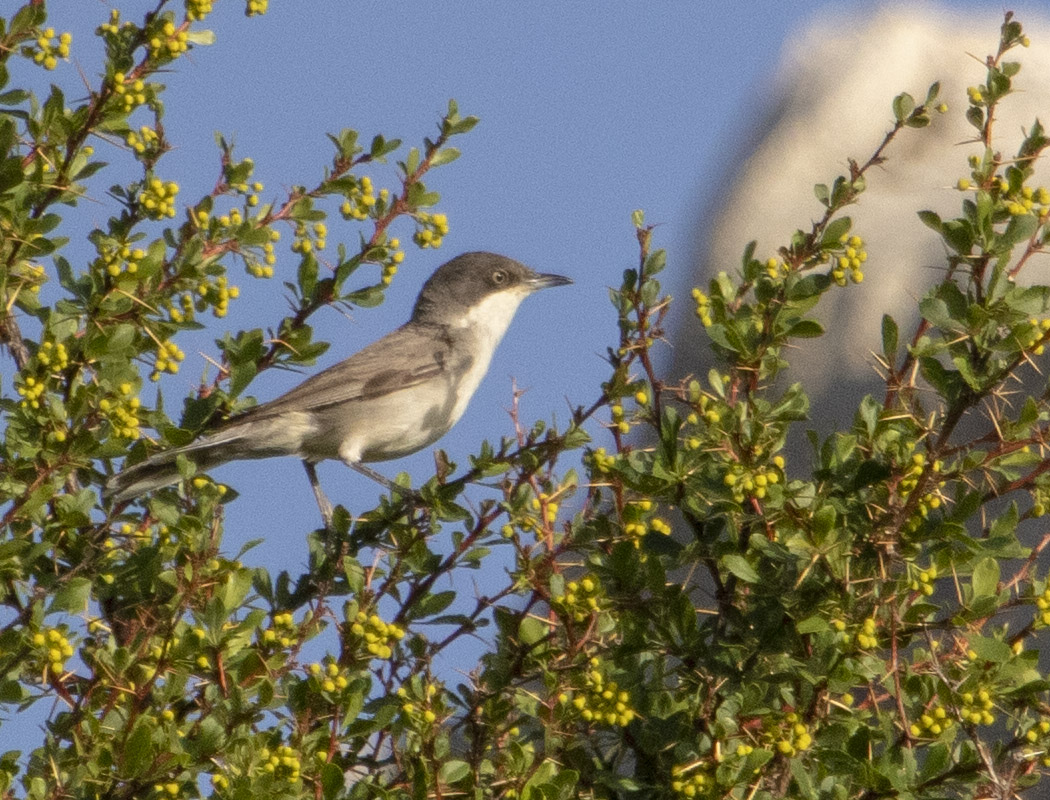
(323, 504)
(411, 495)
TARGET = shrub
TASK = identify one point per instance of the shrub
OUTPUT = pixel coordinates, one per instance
(695, 618)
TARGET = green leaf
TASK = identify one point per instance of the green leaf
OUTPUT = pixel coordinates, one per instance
(307, 278)
(433, 604)
(806, 329)
(454, 771)
(242, 374)
(238, 584)
(446, 155)
(817, 623)
(200, 37)
(903, 105)
(822, 193)
(10, 174)
(739, 566)
(889, 338)
(985, 579)
(332, 781)
(72, 596)
(138, 749)
(935, 311)
(207, 738)
(411, 164)
(988, 649)
(824, 521)
(948, 383)
(532, 630)
(835, 230)
(28, 16)
(931, 219)
(810, 286)
(654, 263)
(959, 235)
(1020, 229)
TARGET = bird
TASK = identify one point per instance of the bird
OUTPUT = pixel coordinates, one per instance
(396, 396)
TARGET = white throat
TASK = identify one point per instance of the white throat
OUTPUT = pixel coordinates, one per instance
(487, 321)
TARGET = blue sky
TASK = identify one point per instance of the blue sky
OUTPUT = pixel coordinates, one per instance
(588, 111)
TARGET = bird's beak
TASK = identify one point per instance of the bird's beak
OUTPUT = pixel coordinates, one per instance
(545, 280)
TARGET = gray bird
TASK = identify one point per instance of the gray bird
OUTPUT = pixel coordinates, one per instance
(394, 397)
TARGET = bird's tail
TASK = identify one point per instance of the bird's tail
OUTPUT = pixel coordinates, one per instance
(161, 469)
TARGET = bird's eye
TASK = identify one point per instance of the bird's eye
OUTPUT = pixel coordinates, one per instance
(499, 277)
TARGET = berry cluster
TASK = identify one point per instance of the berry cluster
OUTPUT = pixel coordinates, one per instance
(168, 43)
(849, 260)
(328, 678)
(51, 359)
(282, 632)
(922, 579)
(776, 269)
(1009, 192)
(283, 763)
(692, 780)
(49, 49)
(168, 358)
(184, 311)
(928, 502)
(202, 482)
(158, 198)
(1042, 602)
(1026, 201)
(580, 599)
(618, 422)
(1035, 336)
(121, 411)
(230, 220)
(306, 243)
(361, 199)
(541, 513)
(53, 356)
(976, 707)
(931, 722)
(600, 701)
(112, 28)
(638, 522)
(25, 275)
(217, 294)
(51, 648)
(746, 482)
(168, 791)
(134, 94)
(391, 256)
(197, 10)
(422, 705)
(789, 735)
(378, 636)
(601, 460)
(30, 390)
(705, 405)
(432, 229)
(145, 142)
(1039, 737)
(263, 269)
(117, 258)
(703, 307)
(867, 637)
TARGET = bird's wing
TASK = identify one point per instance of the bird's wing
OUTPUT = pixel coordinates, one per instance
(372, 372)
